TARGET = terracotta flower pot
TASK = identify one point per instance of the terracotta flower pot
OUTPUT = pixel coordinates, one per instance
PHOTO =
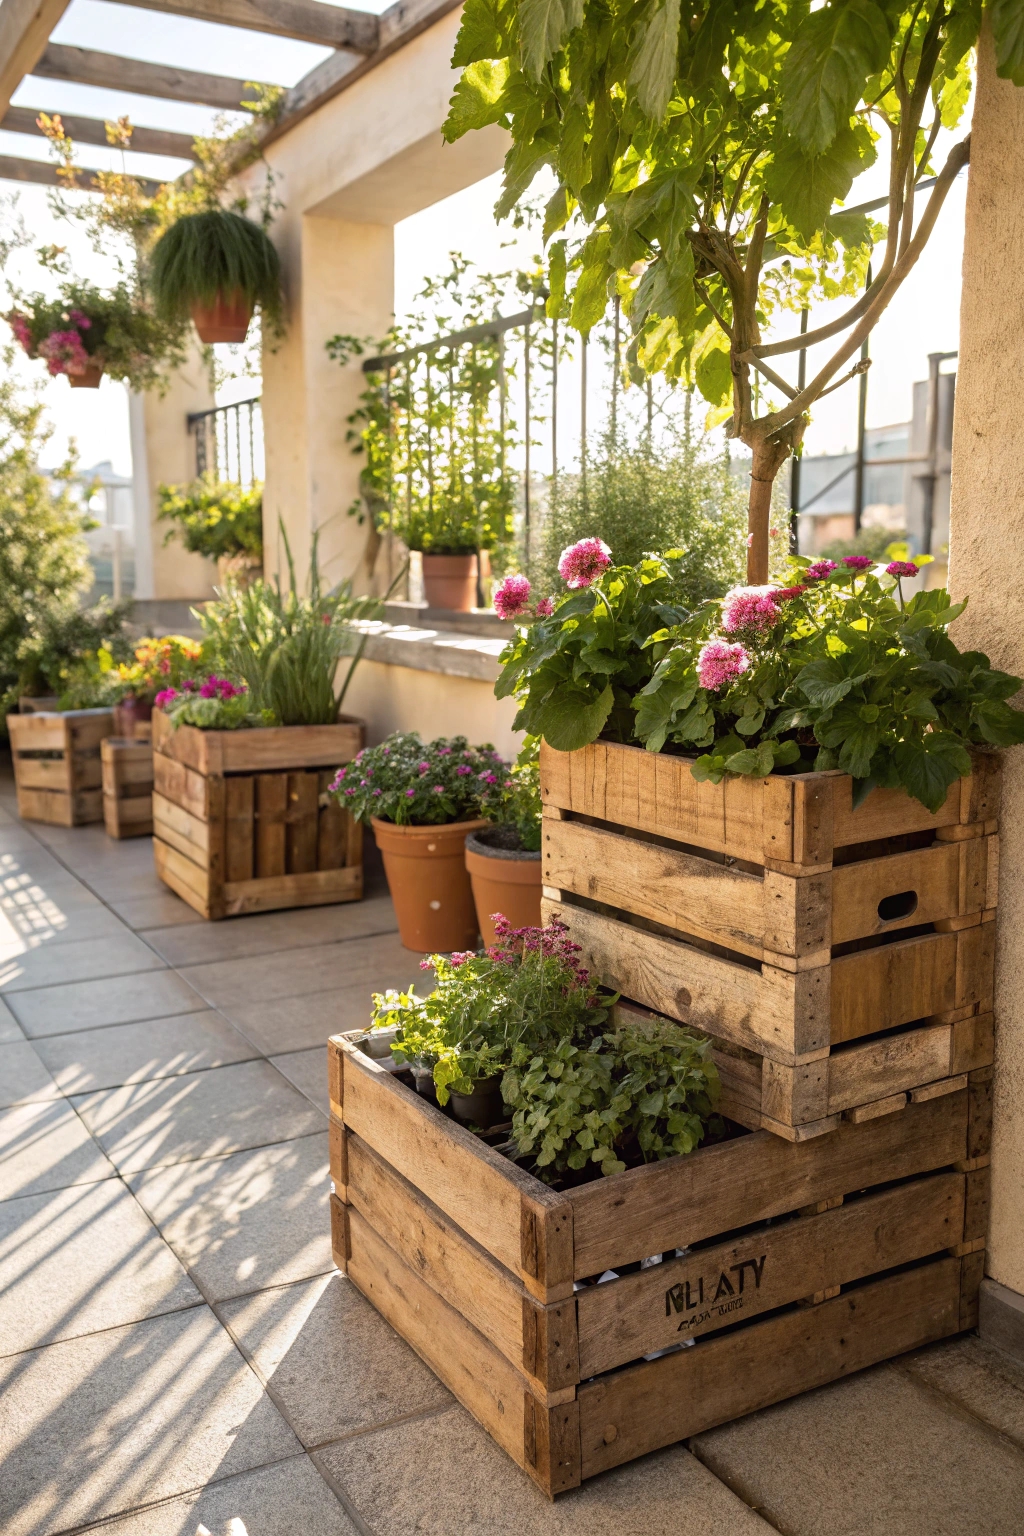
(89, 378)
(240, 570)
(429, 884)
(504, 880)
(449, 581)
(226, 319)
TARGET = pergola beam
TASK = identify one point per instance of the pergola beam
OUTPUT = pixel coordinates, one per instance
(91, 130)
(332, 26)
(86, 67)
(44, 172)
(25, 27)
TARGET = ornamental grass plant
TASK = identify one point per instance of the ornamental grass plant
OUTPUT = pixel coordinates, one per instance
(215, 253)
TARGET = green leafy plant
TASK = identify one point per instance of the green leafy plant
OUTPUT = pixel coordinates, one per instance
(214, 518)
(214, 253)
(286, 647)
(65, 638)
(214, 705)
(576, 671)
(837, 671)
(510, 798)
(703, 153)
(415, 785)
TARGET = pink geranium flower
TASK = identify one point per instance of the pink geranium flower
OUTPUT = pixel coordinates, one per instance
(901, 568)
(582, 563)
(819, 571)
(545, 607)
(64, 353)
(785, 593)
(511, 597)
(720, 663)
(164, 697)
(858, 562)
(750, 611)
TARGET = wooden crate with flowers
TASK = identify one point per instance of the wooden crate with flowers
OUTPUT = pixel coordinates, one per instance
(816, 889)
(571, 1235)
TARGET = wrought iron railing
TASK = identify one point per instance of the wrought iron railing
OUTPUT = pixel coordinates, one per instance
(229, 441)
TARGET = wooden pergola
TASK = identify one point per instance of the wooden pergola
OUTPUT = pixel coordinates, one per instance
(360, 41)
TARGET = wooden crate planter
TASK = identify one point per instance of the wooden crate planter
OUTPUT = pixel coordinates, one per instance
(833, 1254)
(127, 786)
(791, 927)
(57, 768)
(241, 820)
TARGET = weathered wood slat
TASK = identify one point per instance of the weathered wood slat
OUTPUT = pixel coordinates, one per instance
(66, 790)
(85, 66)
(185, 878)
(317, 888)
(309, 20)
(239, 827)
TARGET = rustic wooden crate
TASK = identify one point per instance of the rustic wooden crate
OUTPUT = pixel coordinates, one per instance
(127, 786)
(834, 1254)
(241, 820)
(57, 768)
(776, 918)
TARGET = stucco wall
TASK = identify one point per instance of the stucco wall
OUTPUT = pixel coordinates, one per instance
(986, 541)
(403, 699)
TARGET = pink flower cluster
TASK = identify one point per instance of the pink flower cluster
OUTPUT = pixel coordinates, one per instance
(901, 568)
(551, 942)
(220, 688)
(720, 663)
(783, 594)
(582, 563)
(820, 570)
(512, 600)
(750, 611)
(858, 562)
(22, 331)
(64, 353)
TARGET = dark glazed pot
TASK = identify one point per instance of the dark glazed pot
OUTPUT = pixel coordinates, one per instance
(482, 1107)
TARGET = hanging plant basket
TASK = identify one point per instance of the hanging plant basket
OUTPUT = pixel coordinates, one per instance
(88, 378)
(216, 267)
(226, 319)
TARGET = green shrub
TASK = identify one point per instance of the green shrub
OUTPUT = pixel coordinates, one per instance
(214, 517)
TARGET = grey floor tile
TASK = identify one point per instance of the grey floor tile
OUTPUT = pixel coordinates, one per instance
(10, 1029)
(244, 1222)
(78, 1260)
(981, 1380)
(136, 1053)
(23, 1078)
(77, 960)
(288, 1499)
(268, 932)
(878, 1454)
(160, 910)
(204, 1114)
(332, 1362)
(107, 1000)
(308, 1071)
(288, 1024)
(464, 1483)
(44, 926)
(46, 1146)
(358, 964)
(98, 1425)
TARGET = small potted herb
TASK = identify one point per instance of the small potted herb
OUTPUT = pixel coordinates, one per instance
(216, 267)
(421, 801)
(503, 859)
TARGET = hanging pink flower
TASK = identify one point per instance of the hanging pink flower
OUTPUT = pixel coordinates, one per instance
(511, 597)
(819, 571)
(582, 563)
(22, 331)
(64, 353)
(720, 663)
(901, 568)
(858, 562)
(750, 611)
(77, 318)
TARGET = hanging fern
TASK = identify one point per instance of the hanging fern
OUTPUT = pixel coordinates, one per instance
(206, 254)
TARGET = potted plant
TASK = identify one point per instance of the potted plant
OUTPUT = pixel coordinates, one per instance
(84, 333)
(421, 801)
(503, 859)
(216, 267)
(220, 520)
(157, 665)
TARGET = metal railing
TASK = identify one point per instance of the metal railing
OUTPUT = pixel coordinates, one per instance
(229, 441)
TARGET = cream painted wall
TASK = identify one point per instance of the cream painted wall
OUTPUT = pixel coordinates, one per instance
(405, 699)
(986, 538)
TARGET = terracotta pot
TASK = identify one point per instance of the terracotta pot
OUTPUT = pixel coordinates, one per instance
(429, 883)
(226, 319)
(449, 581)
(504, 880)
(89, 378)
(240, 570)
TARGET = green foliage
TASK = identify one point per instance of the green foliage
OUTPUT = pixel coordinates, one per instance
(511, 798)
(218, 714)
(216, 252)
(576, 673)
(214, 517)
(286, 647)
(65, 638)
(642, 500)
(847, 676)
(415, 785)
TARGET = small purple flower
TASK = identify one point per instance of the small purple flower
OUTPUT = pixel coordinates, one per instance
(164, 697)
(378, 791)
(459, 957)
(424, 767)
(901, 568)
(444, 751)
(438, 789)
(488, 777)
(858, 562)
(350, 790)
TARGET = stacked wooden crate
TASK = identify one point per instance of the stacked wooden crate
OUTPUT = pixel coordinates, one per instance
(834, 1253)
(842, 959)
(127, 786)
(242, 821)
(57, 768)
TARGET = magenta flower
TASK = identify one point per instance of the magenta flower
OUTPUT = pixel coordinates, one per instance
(77, 318)
(488, 777)
(438, 789)
(64, 353)
(424, 767)
(351, 790)
(785, 593)
(378, 791)
(582, 563)
(511, 597)
(444, 751)
(545, 607)
(858, 562)
(901, 568)
(459, 957)
(720, 663)
(164, 697)
(409, 794)
(21, 328)
(220, 688)
(462, 770)
(819, 571)
(750, 611)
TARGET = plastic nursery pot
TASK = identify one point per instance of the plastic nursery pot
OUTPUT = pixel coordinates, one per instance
(482, 1107)
(449, 581)
(423, 1077)
(129, 713)
(505, 880)
(226, 319)
(89, 378)
(429, 884)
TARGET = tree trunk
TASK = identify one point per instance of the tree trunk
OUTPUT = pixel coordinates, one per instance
(766, 464)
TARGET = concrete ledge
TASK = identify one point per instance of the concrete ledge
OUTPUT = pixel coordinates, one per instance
(1001, 1318)
(435, 650)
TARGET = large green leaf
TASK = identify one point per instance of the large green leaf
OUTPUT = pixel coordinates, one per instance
(713, 375)
(570, 717)
(483, 32)
(927, 768)
(652, 69)
(1007, 17)
(808, 185)
(827, 68)
(823, 683)
(590, 296)
(476, 99)
(544, 26)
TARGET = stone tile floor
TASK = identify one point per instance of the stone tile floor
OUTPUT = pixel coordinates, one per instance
(178, 1354)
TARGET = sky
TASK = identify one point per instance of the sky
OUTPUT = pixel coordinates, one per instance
(923, 318)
